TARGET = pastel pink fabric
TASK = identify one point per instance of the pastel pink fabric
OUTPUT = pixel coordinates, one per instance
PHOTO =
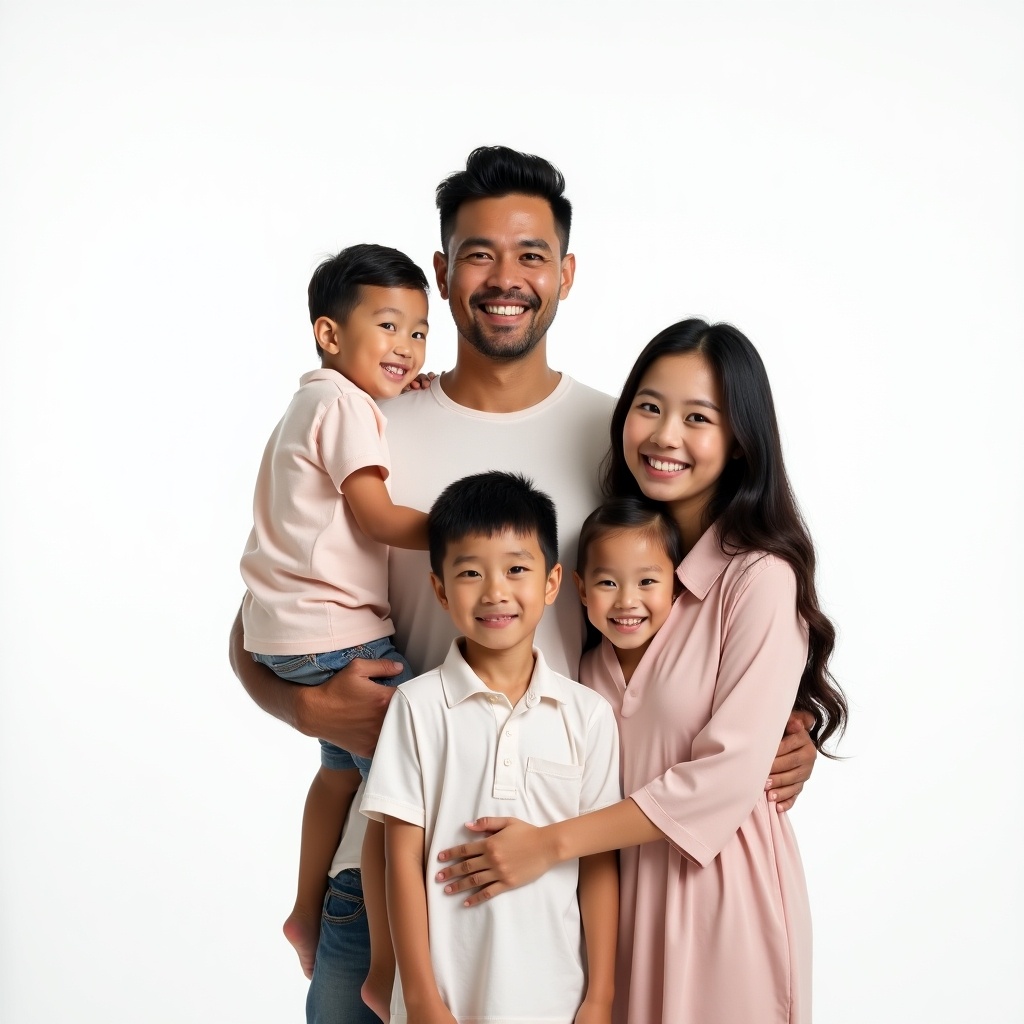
(315, 582)
(714, 922)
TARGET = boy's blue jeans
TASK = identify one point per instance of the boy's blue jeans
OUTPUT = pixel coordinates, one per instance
(314, 669)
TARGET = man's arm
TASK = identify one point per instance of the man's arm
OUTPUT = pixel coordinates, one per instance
(347, 710)
(599, 909)
(793, 763)
(407, 913)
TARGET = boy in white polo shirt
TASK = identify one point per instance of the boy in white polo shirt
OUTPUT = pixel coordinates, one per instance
(316, 561)
(494, 731)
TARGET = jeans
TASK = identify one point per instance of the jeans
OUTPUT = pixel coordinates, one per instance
(314, 669)
(342, 957)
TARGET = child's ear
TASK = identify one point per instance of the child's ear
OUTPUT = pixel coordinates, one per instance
(327, 334)
(553, 584)
(581, 588)
(737, 452)
(438, 584)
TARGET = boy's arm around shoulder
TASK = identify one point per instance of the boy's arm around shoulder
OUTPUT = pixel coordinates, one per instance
(378, 517)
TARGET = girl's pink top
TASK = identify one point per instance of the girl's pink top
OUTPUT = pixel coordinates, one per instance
(714, 922)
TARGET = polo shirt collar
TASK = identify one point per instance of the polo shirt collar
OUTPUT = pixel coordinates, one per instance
(459, 681)
(703, 564)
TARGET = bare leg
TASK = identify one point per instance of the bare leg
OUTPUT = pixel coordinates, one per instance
(327, 805)
(381, 979)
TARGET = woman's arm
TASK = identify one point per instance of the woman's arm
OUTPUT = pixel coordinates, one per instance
(347, 710)
(407, 913)
(378, 517)
(517, 853)
(698, 804)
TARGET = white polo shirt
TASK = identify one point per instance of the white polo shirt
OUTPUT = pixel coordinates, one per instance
(452, 750)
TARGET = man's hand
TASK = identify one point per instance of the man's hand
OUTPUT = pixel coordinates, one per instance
(793, 763)
(348, 709)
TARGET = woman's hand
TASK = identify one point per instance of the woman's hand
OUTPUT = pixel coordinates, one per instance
(513, 854)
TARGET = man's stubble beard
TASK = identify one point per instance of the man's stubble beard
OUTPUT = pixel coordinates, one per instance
(485, 343)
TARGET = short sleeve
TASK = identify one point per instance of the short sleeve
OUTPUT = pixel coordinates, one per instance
(350, 436)
(701, 803)
(394, 786)
(601, 785)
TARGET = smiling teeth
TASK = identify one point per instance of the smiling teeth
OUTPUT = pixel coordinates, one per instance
(504, 310)
(627, 622)
(663, 466)
(398, 371)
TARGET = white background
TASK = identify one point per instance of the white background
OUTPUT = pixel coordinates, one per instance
(844, 183)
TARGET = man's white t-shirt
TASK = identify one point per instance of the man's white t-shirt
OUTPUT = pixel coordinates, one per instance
(558, 443)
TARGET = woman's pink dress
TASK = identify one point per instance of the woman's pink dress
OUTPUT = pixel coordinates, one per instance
(714, 922)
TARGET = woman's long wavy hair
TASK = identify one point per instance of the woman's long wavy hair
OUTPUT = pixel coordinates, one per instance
(753, 504)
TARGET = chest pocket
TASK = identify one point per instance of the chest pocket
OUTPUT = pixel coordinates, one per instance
(553, 789)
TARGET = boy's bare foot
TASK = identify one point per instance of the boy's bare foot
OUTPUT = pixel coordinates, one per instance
(376, 993)
(303, 932)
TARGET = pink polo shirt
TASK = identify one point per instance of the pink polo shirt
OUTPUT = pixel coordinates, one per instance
(315, 581)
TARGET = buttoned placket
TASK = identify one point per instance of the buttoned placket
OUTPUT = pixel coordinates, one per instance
(506, 757)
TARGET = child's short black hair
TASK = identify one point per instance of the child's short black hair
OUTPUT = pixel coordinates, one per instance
(336, 285)
(489, 503)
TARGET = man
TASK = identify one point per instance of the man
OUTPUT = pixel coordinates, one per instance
(503, 268)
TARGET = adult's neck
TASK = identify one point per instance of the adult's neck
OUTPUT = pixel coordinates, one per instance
(489, 385)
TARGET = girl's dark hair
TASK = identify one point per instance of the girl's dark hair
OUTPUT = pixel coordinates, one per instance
(618, 514)
(753, 504)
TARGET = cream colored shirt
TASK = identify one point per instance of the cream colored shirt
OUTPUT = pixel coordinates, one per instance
(452, 750)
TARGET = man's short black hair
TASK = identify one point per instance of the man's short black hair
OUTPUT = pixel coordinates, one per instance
(490, 503)
(336, 285)
(495, 171)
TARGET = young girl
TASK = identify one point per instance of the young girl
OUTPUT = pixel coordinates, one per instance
(714, 919)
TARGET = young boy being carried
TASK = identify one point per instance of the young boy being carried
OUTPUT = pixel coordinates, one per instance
(316, 561)
(494, 731)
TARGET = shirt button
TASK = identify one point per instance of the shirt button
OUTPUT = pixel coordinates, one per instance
(508, 732)
(493, 699)
(508, 761)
